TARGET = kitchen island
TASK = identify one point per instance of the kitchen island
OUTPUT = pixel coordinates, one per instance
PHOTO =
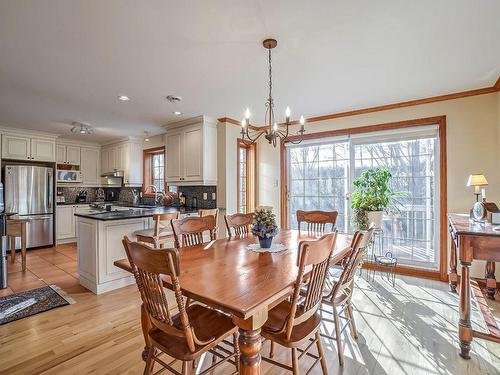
(99, 243)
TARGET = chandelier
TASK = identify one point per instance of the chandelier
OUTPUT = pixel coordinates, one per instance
(271, 130)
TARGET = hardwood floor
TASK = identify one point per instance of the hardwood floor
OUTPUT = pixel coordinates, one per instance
(409, 329)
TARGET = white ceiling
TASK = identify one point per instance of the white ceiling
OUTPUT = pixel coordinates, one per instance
(64, 61)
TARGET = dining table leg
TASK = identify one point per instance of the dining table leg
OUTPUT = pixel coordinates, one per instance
(250, 342)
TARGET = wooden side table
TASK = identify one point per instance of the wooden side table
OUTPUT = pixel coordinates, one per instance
(17, 228)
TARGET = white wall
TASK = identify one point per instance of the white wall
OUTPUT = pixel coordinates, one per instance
(227, 168)
(154, 141)
(473, 143)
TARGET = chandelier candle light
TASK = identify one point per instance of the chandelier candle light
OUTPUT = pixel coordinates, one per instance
(271, 129)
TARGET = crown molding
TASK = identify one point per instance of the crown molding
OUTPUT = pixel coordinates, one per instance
(409, 103)
(28, 132)
(73, 142)
(205, 120)
(497, 84)
(238, 123)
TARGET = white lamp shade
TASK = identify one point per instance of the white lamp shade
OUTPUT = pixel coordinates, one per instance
(477, 180)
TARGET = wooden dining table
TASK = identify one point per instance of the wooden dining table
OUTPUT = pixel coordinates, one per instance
(225, 275)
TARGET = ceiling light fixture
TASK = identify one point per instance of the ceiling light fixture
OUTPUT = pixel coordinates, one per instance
(174, 98)
(272, 131)
(146, 136)
(81, 128)
(124, 98)
(177, 113)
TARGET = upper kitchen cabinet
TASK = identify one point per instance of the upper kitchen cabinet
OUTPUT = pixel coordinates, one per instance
(90, 166)
(67, 154)
(191, 152)
(83, 156)
(124, 156)
(18, 146)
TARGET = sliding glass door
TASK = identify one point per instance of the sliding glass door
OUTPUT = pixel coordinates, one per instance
(320, 175)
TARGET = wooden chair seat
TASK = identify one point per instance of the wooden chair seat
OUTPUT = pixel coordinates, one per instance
(277, 319)
(124, 264)
(207, 323)
(162, 231)
(149, 233)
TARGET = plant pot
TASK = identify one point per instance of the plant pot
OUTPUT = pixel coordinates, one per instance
(375, 217)
(265, 242)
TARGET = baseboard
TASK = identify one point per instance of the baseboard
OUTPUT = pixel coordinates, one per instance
(406, 271)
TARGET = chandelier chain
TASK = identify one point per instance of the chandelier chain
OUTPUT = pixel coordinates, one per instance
(270, 75)
(270, 131)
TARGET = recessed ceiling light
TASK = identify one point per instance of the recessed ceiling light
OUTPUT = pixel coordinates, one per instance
(124, 98)
(177, 113)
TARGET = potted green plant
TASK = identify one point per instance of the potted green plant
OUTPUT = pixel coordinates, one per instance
(265, 226)
(372, 196)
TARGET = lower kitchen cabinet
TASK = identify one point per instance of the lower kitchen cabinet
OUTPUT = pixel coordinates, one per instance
(66, 221)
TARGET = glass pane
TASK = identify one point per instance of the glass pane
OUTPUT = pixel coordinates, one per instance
(320, 177)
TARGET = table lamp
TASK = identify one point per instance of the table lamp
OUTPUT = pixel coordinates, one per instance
(477, 180)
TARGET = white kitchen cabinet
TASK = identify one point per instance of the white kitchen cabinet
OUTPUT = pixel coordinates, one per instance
(20, 147)
(105, 160)
(191, 152)
(124, 156)
(43, 149)
(174, 155)
(73, 156)
(90, 165)
(60, 154)
(66, 154)
(65, 222)
(66, 229)
(16, 147)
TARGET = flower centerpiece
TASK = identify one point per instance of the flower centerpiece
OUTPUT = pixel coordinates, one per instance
(265, 226)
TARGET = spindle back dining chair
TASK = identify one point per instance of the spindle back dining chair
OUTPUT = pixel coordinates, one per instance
(190, 230)
(317, 221)
(294, 321)
(185, 336)
(238, 224)
(340, 294)
(162, 231)
(202, 212)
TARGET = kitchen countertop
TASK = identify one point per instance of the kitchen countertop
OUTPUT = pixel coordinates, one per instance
(113, 203)
(134, 212)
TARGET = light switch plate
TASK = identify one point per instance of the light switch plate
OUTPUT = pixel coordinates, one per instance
(205, 196)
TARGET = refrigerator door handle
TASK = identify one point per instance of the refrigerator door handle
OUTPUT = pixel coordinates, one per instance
(50, 189)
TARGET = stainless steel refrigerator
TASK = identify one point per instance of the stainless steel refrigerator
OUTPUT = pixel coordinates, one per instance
(29, 192)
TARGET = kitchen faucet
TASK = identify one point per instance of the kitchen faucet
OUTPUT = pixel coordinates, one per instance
(155, 190)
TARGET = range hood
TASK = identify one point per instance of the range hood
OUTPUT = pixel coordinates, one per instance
(114, 173)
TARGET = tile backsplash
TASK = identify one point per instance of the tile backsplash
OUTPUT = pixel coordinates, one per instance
(126, 194)
(70, 193)
(197, 191)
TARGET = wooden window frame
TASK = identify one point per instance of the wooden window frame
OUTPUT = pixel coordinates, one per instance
(251, 173)
(440, 121)
(147, 174)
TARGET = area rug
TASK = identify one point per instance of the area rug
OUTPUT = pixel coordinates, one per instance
(31, 302)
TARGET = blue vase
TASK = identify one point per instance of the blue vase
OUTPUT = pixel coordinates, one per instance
(265, 242)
